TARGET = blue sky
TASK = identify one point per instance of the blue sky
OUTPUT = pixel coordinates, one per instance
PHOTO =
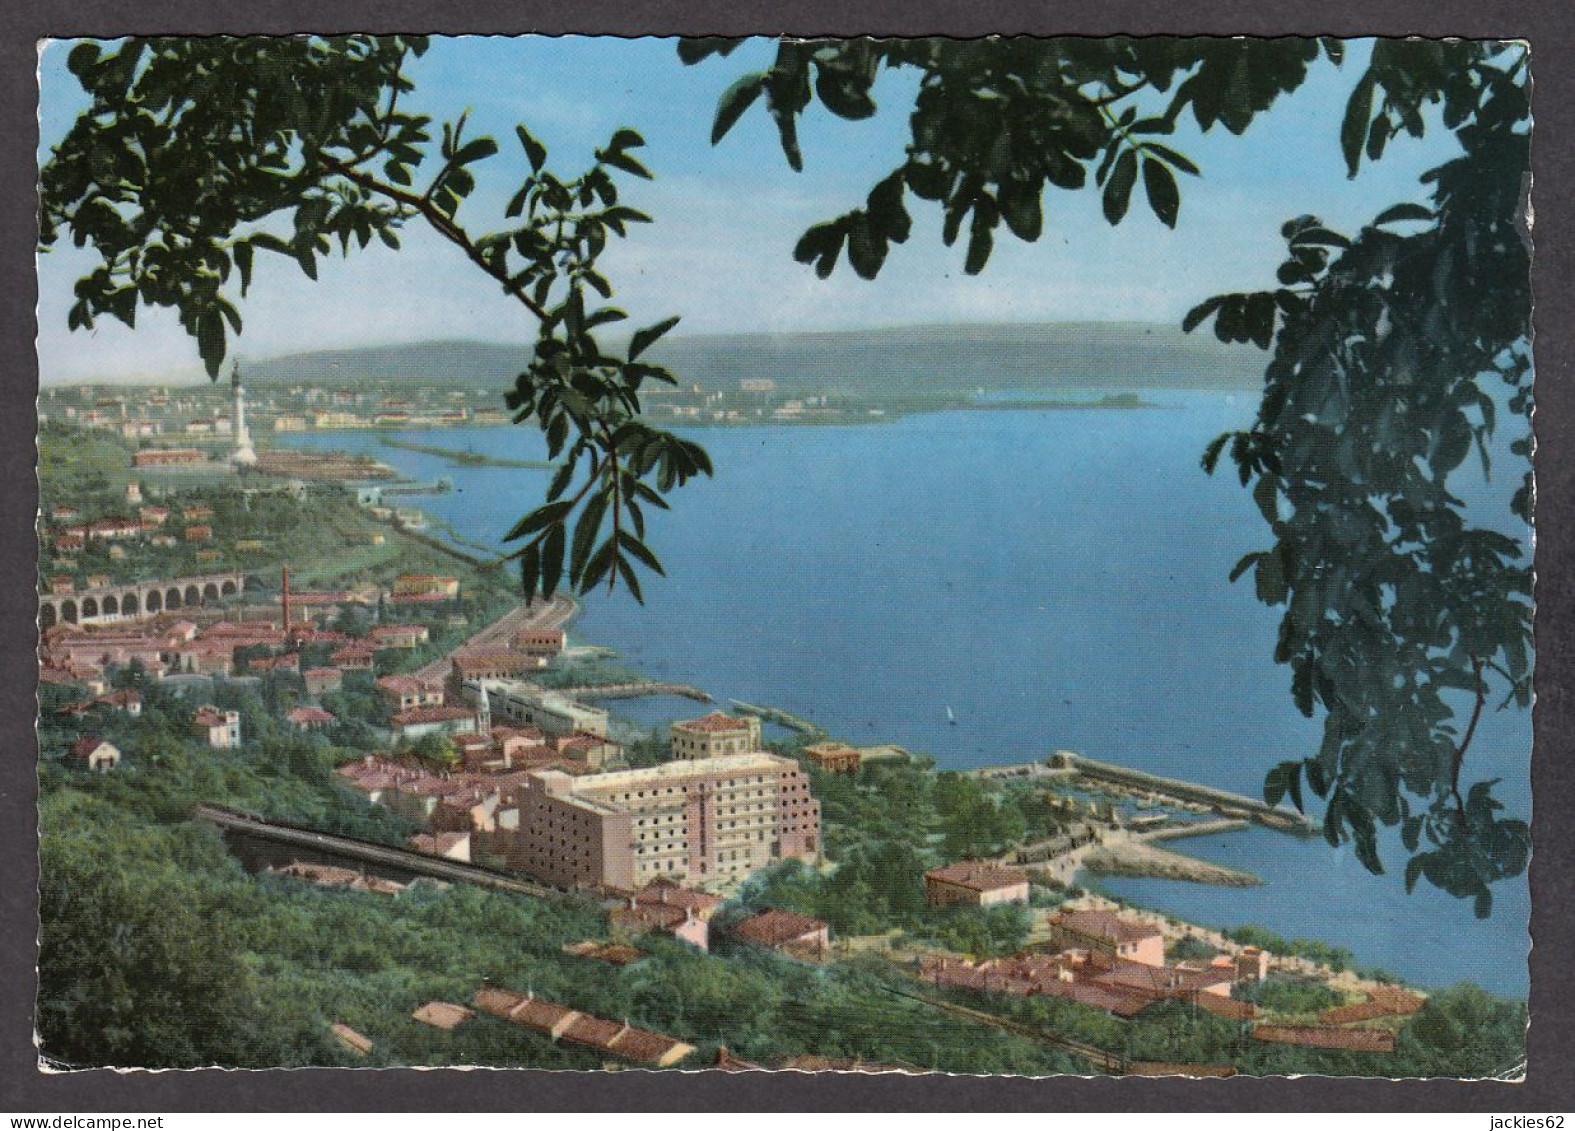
(727, 217)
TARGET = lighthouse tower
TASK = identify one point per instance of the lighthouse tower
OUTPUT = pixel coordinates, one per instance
(243, 455)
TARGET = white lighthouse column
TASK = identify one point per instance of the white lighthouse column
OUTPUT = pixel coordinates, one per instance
(244, 455)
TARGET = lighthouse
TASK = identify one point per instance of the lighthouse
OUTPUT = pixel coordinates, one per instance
(244, 455)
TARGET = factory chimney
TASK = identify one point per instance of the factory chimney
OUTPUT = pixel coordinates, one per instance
(289, 627)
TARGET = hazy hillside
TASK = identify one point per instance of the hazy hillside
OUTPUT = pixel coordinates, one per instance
(945, 358)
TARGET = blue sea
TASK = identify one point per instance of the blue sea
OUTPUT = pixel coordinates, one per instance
(1058, 579)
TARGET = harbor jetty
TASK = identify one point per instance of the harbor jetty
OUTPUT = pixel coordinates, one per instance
(1227, 804)
(634, 690)
(778, 716)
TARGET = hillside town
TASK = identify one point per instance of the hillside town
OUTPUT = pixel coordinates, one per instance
(469, 720)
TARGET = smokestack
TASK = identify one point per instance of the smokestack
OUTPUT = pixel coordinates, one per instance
(288, 628)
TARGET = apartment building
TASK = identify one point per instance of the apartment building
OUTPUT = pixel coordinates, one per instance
(707, 819)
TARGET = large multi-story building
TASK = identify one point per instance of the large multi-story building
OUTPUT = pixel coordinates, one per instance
(708, 819)
(715, 735)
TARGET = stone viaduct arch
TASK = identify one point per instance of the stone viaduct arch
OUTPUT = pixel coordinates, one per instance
(116, 603)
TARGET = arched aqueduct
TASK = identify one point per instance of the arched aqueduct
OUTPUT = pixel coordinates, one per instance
(113, 604)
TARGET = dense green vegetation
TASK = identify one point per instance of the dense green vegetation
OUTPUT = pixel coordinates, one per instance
(150, 922)
(1290, 995)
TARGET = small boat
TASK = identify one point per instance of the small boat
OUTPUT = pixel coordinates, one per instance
(951, 718)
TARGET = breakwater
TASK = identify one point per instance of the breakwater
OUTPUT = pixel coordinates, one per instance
(1231, 805)
(634, 690)
(778, 716)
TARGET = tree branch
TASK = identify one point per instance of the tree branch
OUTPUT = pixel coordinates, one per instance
(1465, 742)
(441, 223)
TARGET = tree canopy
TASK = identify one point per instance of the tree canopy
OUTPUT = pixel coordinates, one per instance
(1384, 345)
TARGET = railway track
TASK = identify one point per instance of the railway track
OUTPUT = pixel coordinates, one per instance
(386, 856)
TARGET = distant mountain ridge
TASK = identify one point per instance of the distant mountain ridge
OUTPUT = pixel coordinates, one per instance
(939, 358)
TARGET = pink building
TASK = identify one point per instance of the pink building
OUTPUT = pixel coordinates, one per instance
(975, 883)
(1109, 934)
(708, 819)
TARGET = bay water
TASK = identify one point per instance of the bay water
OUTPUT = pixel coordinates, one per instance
(1053, 579)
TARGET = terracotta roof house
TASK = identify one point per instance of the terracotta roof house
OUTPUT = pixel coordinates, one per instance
(833, 757)
(220, 729)
(310, 718)
(353, 657)
(976, 883)
(784, 930)
(95, 753)
(1112, 934)
(320, 680)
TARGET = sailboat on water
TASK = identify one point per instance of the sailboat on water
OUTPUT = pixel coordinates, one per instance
(951, 718)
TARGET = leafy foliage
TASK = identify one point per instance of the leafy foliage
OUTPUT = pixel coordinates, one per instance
(1396, 609)
(1398, 613)
(196, 151)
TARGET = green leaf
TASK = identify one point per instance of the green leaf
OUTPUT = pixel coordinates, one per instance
(1171, 157)
(598, 565)
(1194, 318)
(1400, 213)
(1353, 130)
(640, 550)
(1160, 185)
(1118, 189)
(631, 580)
(1023, 212)
(475, 150)
(1248, 560)
(542, 516)
(585, 532)
(210, 341)
(551, 560)
(628, 164)
(625, 138)
(644, 339)
(243, 263)
(734, 101)
(535, 151)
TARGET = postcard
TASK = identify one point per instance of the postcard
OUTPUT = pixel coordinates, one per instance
(1006, 556)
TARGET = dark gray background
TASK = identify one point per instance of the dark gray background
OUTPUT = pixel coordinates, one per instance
(1547, 25)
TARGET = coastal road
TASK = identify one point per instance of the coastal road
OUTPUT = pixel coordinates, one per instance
(553, 613)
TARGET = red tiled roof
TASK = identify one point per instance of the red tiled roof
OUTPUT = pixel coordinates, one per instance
(310, 715)
(321, 673)
(401, 683)
(209, 717)
(1313, 1036)
(417, 715)
(647, 916)
(83, 747)
(977, 875)
(774, 927)
(1106, 925)
(583, 740)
